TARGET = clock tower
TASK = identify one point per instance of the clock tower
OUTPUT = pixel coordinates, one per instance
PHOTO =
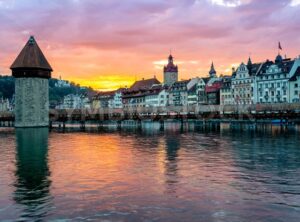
(170, 72)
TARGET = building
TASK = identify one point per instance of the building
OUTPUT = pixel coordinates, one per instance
(226, 97)
(62, 83)
(170, 72)
(135, 96)
(4, 105)
(196, 91)
(213, 87)
(192, 97)
(294, 84)
(274, 81)
(242, 84)
(32, 72)
(73, 101)
(103, 100)
(116, 101)
(212, 91)
(178, 94)
(156, 96)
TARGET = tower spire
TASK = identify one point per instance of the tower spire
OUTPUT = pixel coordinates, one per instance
(212, 72)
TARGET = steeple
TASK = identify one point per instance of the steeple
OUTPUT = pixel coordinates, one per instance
(212, 72)
(249, 64)
(170, 67)
(31, 62)
(170, 59)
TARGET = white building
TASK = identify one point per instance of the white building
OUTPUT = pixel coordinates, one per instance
(62, 83)
(4, 105)
(74, 102)
(163, 97)
(196, 91)
(115, 102)
(273, 83)
(242, 85)
(157, 96)
(294, 83)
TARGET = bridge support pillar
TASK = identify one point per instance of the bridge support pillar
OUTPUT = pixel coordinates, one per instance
(119, 124)
(82, 125)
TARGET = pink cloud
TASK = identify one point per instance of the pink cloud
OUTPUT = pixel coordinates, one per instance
(144, 31)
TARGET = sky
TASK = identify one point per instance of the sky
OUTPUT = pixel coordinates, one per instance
(107, 44)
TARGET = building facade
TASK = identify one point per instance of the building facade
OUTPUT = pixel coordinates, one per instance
(135, 96)
(178, 94)
(226, 92)
(273, 83)
(294, 83)
(243, 86)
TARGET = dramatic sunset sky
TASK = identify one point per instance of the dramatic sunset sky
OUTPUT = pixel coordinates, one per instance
(110, 43)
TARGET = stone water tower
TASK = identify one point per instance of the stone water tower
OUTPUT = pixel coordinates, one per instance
(32, 72)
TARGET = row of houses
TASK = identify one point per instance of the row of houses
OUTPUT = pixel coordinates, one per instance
(275, 81)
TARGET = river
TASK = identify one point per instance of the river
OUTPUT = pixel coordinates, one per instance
(150, 175)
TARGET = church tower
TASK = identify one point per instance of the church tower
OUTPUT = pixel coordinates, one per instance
(212, 72)
(32, 72)
(170, 72)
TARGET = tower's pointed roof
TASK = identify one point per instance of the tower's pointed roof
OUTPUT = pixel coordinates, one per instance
(212, 69)
(249, 61)
(30, 57)
(171, 67)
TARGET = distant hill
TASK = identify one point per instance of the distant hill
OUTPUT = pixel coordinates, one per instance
(56, 94)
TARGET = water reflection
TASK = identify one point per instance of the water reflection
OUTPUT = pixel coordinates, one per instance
(171, 162)
(32, 173)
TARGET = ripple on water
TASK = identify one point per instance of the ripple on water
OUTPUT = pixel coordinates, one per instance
(136, 176)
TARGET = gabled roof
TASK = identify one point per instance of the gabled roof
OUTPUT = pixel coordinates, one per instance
(31, 56)
(144, 84)
(206, 79)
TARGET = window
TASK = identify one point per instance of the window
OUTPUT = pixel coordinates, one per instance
(296, 85)
(296, 92)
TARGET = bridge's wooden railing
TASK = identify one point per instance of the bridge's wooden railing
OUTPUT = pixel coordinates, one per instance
(258, 111)
(207, 111)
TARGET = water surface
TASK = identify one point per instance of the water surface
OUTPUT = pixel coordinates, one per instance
(150, 175)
